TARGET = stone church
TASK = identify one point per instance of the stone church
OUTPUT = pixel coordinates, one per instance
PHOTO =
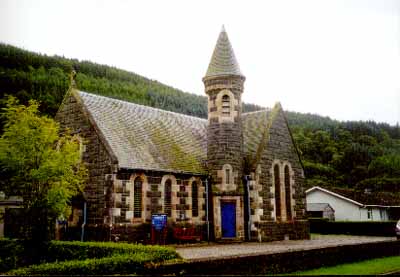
(237, 173)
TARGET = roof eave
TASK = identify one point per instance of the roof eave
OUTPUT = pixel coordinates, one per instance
(167, 171)
(335, 194)
(216, 76)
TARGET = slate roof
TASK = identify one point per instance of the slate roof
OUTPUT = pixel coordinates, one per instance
(147, 138)
(142, 137)
(223, 60)
(253, 125)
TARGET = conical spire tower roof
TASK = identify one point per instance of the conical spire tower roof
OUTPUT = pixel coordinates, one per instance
(223, 61)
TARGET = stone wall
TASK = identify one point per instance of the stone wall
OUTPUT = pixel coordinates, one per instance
(224, 138)
(109, 190)
(153, 196)
(279, 150)
(279, 263)
(225, 148)
(72, 115)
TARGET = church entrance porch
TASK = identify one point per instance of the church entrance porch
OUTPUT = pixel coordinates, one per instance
(228, 217)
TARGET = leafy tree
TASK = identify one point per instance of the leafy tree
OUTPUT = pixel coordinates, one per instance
(39, 165)
(387, 165)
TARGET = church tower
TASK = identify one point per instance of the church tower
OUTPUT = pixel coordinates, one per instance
(224, 87)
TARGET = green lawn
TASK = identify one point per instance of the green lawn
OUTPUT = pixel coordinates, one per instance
(369, 267)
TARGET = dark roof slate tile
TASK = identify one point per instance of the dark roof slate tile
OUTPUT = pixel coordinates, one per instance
(147, 138)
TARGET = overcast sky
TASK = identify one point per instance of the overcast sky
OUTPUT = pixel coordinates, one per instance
(334, 58)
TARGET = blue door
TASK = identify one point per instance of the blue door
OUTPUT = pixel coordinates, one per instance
(228, 219)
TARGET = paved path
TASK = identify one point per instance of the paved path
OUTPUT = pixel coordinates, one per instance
(251, 248)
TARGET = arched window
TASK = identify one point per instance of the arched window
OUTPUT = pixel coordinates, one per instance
(195, 199)
(277, 192)
(227, 175)
(288, 194)
(226, 105)
(137, 198)
(167, 197)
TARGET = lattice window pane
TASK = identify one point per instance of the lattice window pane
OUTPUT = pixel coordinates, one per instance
(167, 197)
(277, 192)
(137, 198)
(287, 193)
(195, 199)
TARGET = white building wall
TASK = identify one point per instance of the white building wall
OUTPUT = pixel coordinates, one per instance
(344, 210)
(378, 214)
(364, 215)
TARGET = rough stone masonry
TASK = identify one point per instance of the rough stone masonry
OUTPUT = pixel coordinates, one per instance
(143, 161)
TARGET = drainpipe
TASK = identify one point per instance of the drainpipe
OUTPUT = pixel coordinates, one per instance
(84, 221)
(248, 178)
(207, 216)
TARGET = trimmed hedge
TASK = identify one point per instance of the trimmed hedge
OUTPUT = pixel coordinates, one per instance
(119, 264)
(64, 257)
(360, 228)
(75, 250)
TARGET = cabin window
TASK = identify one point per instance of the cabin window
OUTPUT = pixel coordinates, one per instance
(369, 213)
(195, 199)
(137, 198)
(226, 105)
(167, 197)
(277, 182)
(288, 194)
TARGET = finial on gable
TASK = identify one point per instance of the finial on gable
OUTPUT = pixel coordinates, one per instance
(72, 79)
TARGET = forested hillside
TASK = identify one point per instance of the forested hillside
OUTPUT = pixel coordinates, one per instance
(350, 154)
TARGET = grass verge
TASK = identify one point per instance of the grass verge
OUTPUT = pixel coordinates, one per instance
(369, 267)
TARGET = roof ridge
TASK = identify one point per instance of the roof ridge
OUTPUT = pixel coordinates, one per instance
(146, 107)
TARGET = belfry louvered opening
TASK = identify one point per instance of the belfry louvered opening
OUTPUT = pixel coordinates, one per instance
(226, 105)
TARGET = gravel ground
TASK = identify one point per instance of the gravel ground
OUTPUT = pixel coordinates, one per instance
(207, 251)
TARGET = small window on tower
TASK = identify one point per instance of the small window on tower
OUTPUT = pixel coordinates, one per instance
(226, 106)
(228, 176)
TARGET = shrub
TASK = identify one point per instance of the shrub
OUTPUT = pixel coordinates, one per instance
(11, 254)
